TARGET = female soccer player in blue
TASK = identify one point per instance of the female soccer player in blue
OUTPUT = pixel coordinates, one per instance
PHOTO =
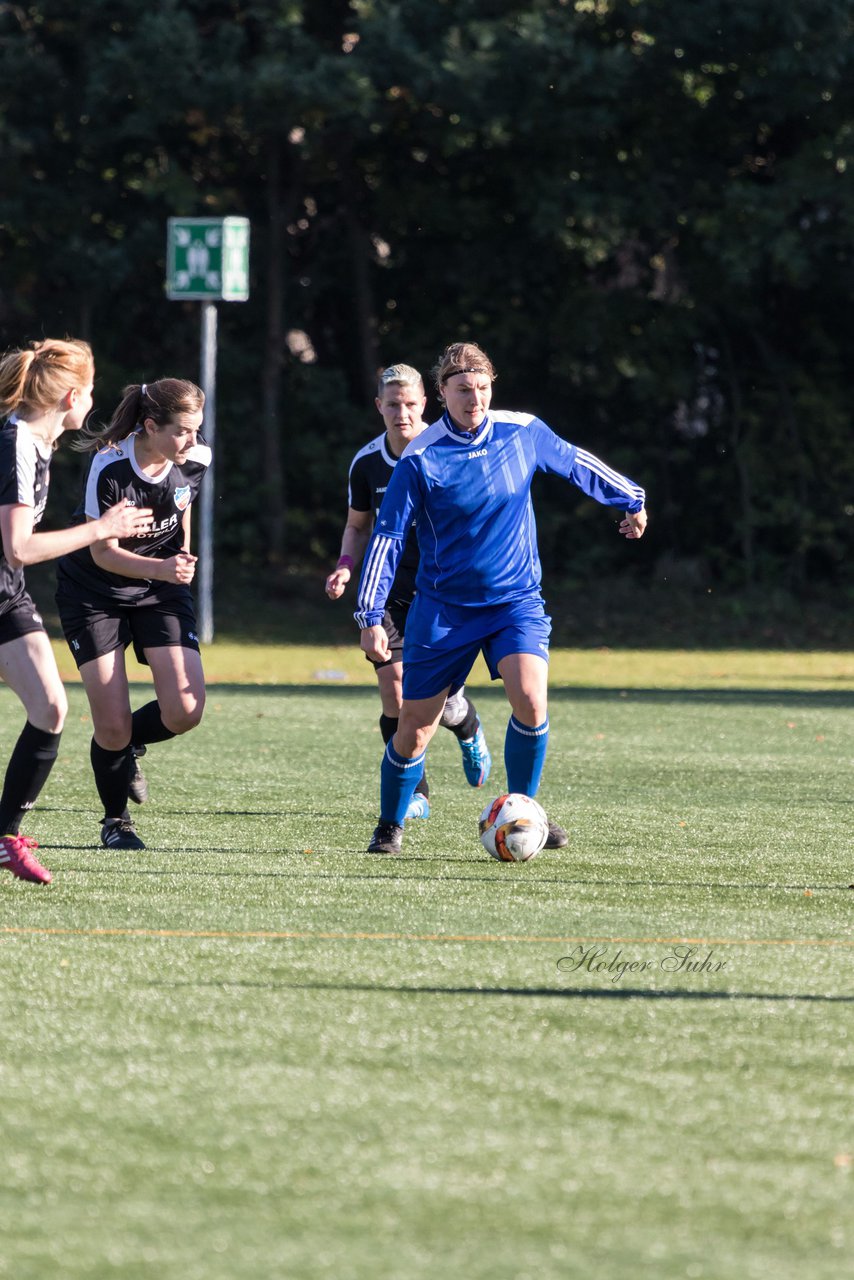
(466, 481)
(400, 401)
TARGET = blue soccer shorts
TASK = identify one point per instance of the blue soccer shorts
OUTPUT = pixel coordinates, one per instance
(442, 641)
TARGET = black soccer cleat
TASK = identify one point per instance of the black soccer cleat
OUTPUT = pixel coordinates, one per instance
(137, 784)
(119, 833)
(556, 838)
(388, 838)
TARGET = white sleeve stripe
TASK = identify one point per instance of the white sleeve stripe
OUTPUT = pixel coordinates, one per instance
(601, 469)
(373, 571)
(25, 476)
(91, 501)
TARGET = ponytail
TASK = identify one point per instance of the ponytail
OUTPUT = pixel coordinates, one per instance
(158, 402)
(38, 376)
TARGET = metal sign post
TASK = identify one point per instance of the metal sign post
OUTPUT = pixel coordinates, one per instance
(206, 497)
(207, 260)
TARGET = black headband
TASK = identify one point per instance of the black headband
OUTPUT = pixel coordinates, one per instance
(452, 373)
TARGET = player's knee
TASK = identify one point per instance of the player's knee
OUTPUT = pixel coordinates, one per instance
(185, 715)
(52, 715)
(532, 711)
(411, 741)
(57, 717)
(112, 732)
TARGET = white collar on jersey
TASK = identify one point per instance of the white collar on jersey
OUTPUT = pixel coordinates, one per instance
(130, 442)
(466, 437)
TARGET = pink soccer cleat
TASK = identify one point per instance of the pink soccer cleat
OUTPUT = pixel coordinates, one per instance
(16, 854)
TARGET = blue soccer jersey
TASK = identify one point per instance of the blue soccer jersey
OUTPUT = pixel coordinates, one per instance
(470, 498)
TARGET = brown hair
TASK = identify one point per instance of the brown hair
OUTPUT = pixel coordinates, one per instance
(159, 401)
(38, 376)
(462, 357)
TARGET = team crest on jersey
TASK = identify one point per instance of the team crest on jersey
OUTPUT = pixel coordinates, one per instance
(182, 497)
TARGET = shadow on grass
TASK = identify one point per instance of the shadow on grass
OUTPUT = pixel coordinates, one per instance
(311, 814)
(559, 993)
(564, 693)
(409, 860)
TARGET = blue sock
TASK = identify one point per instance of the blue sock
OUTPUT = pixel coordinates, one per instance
(399, 776)
(525, 755)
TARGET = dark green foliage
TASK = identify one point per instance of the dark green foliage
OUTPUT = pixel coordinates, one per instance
(643, 216)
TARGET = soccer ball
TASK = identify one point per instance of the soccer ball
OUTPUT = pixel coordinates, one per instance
(513, 828)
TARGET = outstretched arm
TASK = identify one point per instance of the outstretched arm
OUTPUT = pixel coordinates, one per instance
(22, 545)
(595, 478)
(592, 476)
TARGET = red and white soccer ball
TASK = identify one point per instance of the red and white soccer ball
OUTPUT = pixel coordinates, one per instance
(513, 828)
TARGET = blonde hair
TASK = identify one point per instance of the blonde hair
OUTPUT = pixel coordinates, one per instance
(400, 375)
(462, 357)
(160, 401)
(38, 376)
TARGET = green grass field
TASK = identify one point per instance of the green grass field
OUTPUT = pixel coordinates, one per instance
(257, 1051)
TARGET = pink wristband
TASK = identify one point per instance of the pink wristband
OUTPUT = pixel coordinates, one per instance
(344, 562)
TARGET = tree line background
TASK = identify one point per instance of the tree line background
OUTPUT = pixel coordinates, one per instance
(641, 209)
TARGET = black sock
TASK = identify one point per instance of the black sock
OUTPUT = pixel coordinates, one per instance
(112, 774)
(147, 726)
(388, 728)
(29, 765)
(467, 727)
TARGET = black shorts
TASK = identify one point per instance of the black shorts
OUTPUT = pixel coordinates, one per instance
(394, 625)
(93, 628)
(20, 619)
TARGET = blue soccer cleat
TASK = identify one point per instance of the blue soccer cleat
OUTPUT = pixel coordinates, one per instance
(477, 761)
(419, 807)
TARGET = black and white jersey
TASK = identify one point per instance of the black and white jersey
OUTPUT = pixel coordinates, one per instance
(370, 472)
(116, 474)
(24, 480)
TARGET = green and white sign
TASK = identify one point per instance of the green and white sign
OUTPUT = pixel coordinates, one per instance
(207, 259)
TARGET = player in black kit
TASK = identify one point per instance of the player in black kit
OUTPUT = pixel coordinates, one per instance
(137, 590)
(45, 390)
(400, 401)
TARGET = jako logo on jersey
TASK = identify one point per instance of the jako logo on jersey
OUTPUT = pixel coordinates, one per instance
(478, 453)
(182, 497)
